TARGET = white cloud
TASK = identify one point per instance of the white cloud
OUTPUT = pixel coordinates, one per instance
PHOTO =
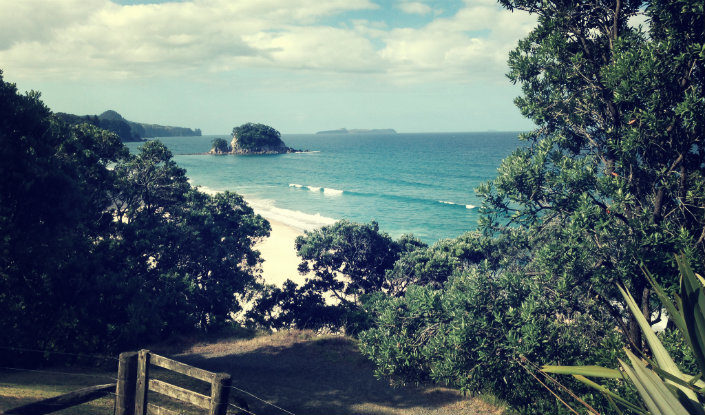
(101, 40)
(414, 7)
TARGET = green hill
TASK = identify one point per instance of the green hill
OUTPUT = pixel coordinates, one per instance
(127, 130)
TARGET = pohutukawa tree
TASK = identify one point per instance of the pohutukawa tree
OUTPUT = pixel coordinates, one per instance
(613, 178)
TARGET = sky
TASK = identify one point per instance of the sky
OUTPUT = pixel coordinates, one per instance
(298, 65)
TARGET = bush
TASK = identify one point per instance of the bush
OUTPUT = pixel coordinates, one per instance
(470, 334)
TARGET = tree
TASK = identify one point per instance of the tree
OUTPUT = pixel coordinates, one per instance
(612, 180)
(191, 252)
(103, 250)
(52, 216)
(348, 259)
(251, 136)
(294, 307)
(219, 146)
(432, 266)
(613, 177)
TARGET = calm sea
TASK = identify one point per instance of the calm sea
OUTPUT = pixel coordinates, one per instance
(422, 183)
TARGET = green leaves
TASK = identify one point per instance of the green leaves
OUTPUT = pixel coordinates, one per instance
(594, 371)
(653, 391)
(693, 309)
(663, 388)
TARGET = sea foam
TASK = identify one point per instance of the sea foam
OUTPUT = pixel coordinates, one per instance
(445, 202)
(295, 218)
(326, 190)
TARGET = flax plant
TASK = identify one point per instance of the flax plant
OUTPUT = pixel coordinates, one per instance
(663, 388)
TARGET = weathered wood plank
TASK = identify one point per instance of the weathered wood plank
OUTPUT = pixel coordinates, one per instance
(127, 381)
(220, 391)
(194, 398)
(142, 379)
(64, 401)
(182, 368)
(160, 410)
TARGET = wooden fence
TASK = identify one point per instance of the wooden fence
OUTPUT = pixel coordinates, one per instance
(133, 385)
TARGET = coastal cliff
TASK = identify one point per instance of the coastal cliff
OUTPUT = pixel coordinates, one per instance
(127, 130)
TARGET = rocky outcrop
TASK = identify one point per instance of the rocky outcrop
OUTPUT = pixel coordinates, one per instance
(236, 148)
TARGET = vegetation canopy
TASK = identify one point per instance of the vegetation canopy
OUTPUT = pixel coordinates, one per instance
(102, 249)
(252, 136)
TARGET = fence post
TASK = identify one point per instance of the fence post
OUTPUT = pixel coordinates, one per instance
(142, 382)
(220, 392)
(127, 381)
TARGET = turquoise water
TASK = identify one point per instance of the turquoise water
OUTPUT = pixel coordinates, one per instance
(410, 183)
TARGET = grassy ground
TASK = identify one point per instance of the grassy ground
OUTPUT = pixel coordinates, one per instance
(298, 371)
(23, 387)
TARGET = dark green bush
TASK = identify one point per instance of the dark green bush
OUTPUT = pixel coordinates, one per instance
(470, 333)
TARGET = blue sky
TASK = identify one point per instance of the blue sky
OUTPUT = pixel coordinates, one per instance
(298, 65)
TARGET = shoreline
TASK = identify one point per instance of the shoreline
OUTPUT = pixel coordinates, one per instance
(278, 251)
(280, 259)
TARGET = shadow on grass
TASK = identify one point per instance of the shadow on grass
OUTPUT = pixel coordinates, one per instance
(325, 375)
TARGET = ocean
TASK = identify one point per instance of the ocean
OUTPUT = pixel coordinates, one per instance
(422, 183)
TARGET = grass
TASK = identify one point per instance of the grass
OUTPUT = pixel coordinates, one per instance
(23, 387)
(299, 371)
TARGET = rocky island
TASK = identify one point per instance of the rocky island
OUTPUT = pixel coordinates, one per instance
(252, 138)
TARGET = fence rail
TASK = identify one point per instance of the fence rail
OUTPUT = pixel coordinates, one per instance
(64, 401)
(133, 385)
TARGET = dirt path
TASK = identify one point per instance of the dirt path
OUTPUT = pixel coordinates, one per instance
(320, 375)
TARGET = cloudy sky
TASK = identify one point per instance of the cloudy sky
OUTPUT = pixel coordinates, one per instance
(298, 65)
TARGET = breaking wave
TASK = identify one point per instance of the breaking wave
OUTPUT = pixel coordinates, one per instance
(326, 190)
(295, 218)
(445, 202)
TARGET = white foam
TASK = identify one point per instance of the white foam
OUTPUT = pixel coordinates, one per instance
(457, 204)
(313, 188)
(298, 186)
(333, 192)
(301, 221)
(296, 219)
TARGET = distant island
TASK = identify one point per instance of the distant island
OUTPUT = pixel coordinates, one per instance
(252, 138)
(127, 130)
(359, 131)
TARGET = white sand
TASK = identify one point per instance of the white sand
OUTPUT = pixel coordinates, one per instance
(279, 254)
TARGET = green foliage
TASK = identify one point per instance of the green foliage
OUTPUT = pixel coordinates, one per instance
(616, 160)
(252, 136)
(349, 259)
(101, 249)
(662, 386)
(423, 265)
(294, 307)
(471, 333)
(117, 125)
(219, 145)
(191, 252)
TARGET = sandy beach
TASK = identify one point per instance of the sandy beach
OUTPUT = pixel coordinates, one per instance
(279, 254)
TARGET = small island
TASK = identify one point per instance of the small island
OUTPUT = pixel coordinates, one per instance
(252, 138)
(359, 131)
